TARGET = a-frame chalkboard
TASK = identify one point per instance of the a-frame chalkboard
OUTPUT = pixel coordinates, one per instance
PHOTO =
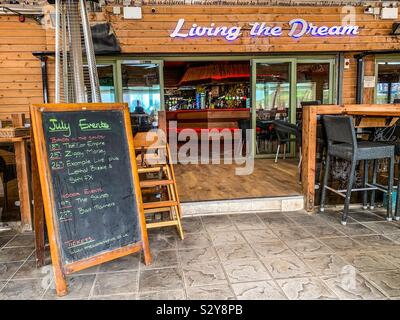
(90, 185)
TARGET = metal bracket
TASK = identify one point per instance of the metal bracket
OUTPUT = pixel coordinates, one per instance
(36, 17)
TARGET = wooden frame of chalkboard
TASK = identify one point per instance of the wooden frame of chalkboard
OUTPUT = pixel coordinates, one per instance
(61, 265)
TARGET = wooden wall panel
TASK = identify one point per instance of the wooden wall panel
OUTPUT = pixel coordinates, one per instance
(20, 80)
(20, 73)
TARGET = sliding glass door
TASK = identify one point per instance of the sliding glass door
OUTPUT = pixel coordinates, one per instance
(280, 88)
(388, 80)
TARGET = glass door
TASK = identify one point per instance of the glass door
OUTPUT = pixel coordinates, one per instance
(106, 71)
(273, 98)
(388, 81)
(280, 88)
(141, 83)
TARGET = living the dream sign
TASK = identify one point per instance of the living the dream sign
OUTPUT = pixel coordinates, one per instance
(298, 28)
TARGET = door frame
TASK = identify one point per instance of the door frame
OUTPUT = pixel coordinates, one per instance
(293, 60)
(117, 67)
(382, 58)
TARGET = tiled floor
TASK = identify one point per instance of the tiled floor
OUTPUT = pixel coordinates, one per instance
(260, 256)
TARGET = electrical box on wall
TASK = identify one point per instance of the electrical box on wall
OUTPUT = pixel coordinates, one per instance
(389, 13)
(132, 13)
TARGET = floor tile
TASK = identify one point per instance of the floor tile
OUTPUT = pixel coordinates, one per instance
(247, 221)
(116, 282)
(262, 235)
(7, 269)
(308, 220)
(289, 233)
(31, 289)
(287, 267)
(192, 225)
(387, 281)
(195, 240)
(204, 274)
(340, 244)
(260, 290)
(334, 217)
(79, 287)
(376, 242)
(352, 286)
(201, 255)
(126, 263)
(218, 223)
(163, 295)
(162, 242)
(4, 240)
(355, 229)
(14, 255)
(226, 237)
(272, 249)
(326, 264)
(367, 261)
(308, 247)
(306, 289)
(162, 259)
(7, 233)
(21, 240)
(393, 256)
(365, 216)
(160, 279)
(235, 252)
(29, 271)
(243, 271)
(384, 227)
(394, 237)
(218, 292)
(276, 222)
(323, 231)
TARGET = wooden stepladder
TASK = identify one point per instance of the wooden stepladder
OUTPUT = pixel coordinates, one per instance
(161, 202)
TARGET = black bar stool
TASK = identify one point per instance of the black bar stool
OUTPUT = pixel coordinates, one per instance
(342, 143)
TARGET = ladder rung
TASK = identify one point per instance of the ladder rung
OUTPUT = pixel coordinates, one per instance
(161, 224)
(152, 169)
(155, 183)
(159, 204)
(157, 210)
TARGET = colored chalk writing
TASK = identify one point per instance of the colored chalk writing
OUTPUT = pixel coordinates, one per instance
(95, 210)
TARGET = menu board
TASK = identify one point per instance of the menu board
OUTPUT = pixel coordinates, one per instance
(93, 193)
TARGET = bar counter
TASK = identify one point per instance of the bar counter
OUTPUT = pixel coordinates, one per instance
(208, 118)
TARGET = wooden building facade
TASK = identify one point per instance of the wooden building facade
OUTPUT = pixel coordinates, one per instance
(150, 38)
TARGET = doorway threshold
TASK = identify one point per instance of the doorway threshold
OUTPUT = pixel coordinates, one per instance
(244, 205)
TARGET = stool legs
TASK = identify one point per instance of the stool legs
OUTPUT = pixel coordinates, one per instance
(348, 193)
(374, 174)
(396, 214)
(390, 189)
(365, 181)
(324, 183)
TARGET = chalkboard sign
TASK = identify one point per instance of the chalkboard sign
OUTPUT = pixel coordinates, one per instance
(90, 183)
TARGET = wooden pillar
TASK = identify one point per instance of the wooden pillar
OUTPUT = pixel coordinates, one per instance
(23, 185)
(369, 70)
(309, 146)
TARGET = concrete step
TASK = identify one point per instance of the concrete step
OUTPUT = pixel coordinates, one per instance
(250, 205)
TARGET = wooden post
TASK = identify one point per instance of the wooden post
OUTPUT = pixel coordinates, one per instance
(309, 145)
(23, 185)
(38, 208)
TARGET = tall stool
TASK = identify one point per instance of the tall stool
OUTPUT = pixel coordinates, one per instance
(342, 143)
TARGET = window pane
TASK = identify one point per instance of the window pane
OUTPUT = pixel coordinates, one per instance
(388, 87)
(312, 84)
(106, 80)
(272, 102)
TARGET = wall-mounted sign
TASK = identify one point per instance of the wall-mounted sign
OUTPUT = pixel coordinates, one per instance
(298, 28)
(369, 81)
